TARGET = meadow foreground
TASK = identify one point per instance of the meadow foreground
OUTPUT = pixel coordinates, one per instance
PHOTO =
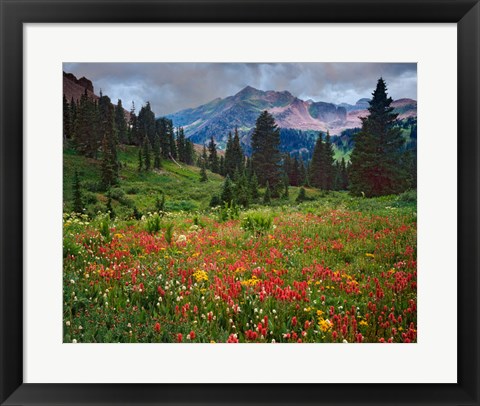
(339, 269)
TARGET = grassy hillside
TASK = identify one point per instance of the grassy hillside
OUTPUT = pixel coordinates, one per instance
(180, 184)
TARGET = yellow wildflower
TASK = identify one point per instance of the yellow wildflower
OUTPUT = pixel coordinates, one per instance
(200, 276)
(324, 324)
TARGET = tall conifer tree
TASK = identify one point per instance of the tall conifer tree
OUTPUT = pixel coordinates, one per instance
(212, 155)
(378, 161)
(110, 164)
(266, 157)
(121, 123)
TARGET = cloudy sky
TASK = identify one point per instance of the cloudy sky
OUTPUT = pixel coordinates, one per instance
(171, 87)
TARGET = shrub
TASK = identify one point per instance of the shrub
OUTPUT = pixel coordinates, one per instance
(117, 194)
(228, 212)
(215, 201)
(105, 227)
(160, 204)
(302, 195)
(169, 233)
(182, 205)
(132, 190)
(92, 186)
(153, 223)
(70, 247)
(257, 223)
(267, 197)
(89, 198)
(136, 214)
(410, 196)
(127, 202)
(198, 222)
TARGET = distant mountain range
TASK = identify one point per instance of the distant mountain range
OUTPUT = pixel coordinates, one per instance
(221, 116)
(300, 120)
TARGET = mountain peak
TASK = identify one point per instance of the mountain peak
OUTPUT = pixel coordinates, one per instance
(248, 91)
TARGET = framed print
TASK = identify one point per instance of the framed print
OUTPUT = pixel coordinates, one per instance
(231, 202)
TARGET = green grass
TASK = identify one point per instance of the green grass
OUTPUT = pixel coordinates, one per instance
(184, 192)
(180, 184)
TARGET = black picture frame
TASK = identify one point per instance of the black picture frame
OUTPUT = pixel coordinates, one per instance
(14, 13)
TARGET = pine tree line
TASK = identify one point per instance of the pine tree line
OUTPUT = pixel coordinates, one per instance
(96, 127)
(381, 162)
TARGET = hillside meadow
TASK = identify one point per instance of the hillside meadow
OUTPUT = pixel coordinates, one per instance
(333, 268)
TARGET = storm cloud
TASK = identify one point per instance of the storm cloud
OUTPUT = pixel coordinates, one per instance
(171, 87)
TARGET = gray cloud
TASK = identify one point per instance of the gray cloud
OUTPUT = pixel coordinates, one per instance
(171, 87)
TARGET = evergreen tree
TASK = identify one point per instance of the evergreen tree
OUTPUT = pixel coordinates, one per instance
(146, 123)
(378, 161)
(285, 186)
(215, 201)
(315, 169)
(411, 165)
(234, 158)
(294, 174)
(133, 138)
(267, 197)
(160, 203)
(73, 116)
(110, 210)
(110, 165)
(86, 135)
(120, 123)
(77, 194)
(337, 179)
(343, 175)
(266, 158)
(204, 156)
(189, 152)
(249, 168)
(302, 195)
(228, 192)
(287, 165)
(254, 193)
(229, 161)
(221, 166)
(157, 164)
(302, 180)
(136, 214)
(322, 169)
(165, 131)
(203, 172)
(181, 147)
(173, 153)
(328, 168)
(162, 131)
(237, 156)
(146, 154)
(140, 159)
(67, 120)
(242, 190)
(212, 155)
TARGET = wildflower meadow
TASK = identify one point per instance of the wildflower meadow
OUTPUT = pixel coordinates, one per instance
(308, 274)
